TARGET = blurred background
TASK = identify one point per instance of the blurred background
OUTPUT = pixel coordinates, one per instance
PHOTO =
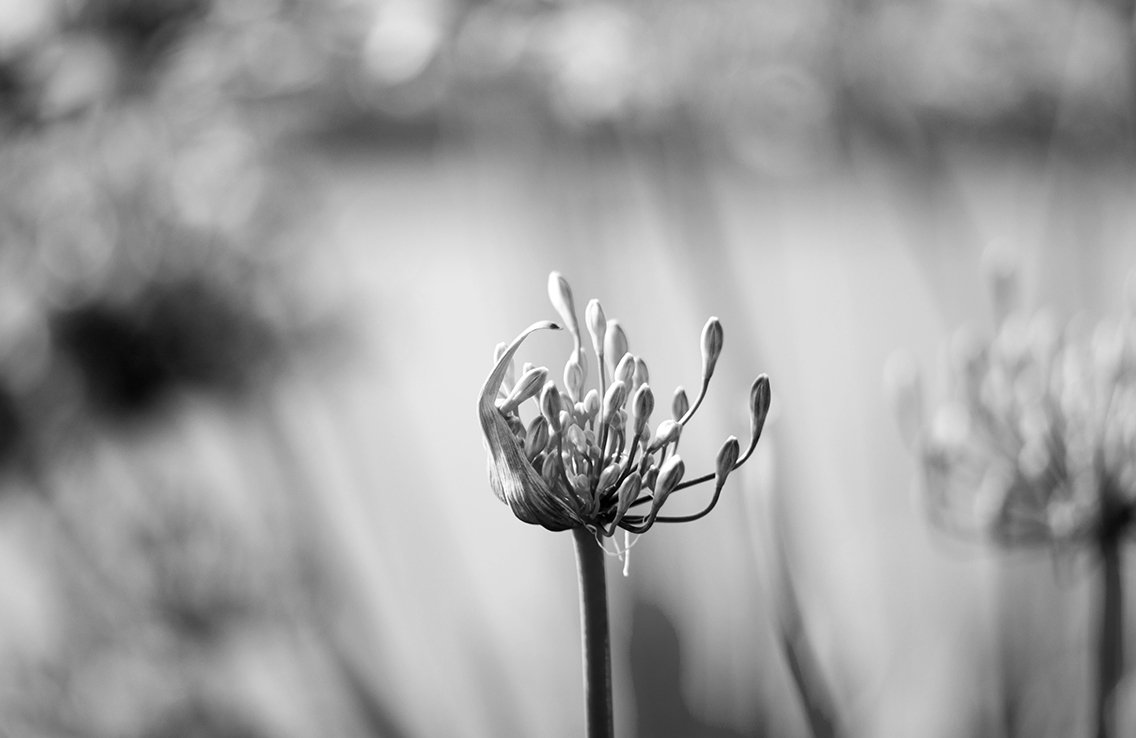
(254, 259)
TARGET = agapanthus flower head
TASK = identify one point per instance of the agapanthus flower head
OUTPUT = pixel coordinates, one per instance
(588, 456)
(1035, 442)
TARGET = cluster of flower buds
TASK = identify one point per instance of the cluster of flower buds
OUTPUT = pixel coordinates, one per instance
(1036, 442)
(588, 457)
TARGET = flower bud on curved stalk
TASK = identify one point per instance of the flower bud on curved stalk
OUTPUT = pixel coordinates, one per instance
(529, 385)
(680, 405)
(712, 340)
(727, 458)
(667, 432)
(642, 405)
(627, 494)
(670, 474)
(760, 397)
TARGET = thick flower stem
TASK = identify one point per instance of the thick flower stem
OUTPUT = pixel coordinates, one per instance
(1110, 643)
(595, 635)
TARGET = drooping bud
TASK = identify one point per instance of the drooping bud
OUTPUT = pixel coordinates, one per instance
(642, 405)
(680, 405)
(536, 438)
(613, 400)
(624, 370)
(574, 376)
(642, 376)
(560, 294)
(527, 386)
(712, 339)
(727, 458)
(615, 345)
(597, 326)
(667, 432)
(551, 405)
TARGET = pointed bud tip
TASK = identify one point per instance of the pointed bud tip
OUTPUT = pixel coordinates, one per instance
(762, 393)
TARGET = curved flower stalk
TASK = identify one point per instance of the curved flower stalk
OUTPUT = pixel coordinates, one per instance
(1035, 445)
(588, 458)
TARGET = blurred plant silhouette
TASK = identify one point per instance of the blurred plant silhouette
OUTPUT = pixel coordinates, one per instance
(1032, 448)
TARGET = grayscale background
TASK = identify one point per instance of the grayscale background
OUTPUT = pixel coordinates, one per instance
(255, 256)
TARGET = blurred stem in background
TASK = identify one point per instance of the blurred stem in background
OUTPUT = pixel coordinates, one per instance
(1032, 450)
(594, 634)
(1110, 637)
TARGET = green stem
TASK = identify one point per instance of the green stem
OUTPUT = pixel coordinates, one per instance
(1110, 643)
(595, 635)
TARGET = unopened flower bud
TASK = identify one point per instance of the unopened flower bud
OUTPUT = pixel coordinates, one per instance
(627, 494)
(574, 376)
(681, 404)
(642, 405)
(608, 477)
(614, 398)
(759, 398)
(727, 457)
(642, 376)
(667, 432)
(592, 404)
(670, 474)
(597, 326)
(527, 386)
(560, 294)
(551, 404)
(624, 370)
(712, 339)
(651, 477)
(536, 438)
(575, 436)
(615, 345)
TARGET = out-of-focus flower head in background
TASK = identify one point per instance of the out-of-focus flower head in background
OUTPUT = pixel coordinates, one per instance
(251, 252)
